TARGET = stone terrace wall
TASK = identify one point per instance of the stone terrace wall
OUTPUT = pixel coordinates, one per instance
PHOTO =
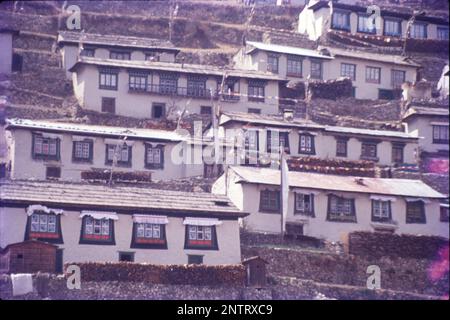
(402, 274)
(378, 244)
(55, 288)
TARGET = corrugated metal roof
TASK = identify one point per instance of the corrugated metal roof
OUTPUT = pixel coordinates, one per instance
(114, 40)
(93, 129)
(176, 67)
(370, 132)
(395, 187)
(363, 55)
(286, 49)
(275, 120)
(426, 112)
(264, 119)
(116, 197)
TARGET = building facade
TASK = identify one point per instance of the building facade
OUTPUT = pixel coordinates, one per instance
(66, 151)
(263, 134)
(329, 207)
(374, 76)
(101, 223)
(144, 89)
(73, 45)
(318, 17)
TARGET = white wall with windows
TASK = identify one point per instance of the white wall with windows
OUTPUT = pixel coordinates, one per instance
(174, 91)
(335, 213)
(329, 145)
(73, 154)
(85, 238)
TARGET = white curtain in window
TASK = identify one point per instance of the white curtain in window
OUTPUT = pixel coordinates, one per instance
(99, 215)
(143, 218)
(118, 142)
(37, 207)
(81, 138)
(201, 221)
(381, 198)
(424, 200)
(50, 135)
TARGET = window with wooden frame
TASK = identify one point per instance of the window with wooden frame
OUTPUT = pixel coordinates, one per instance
(442, 33)
(397, 78)
(52, 173)
(348, 70)
(109, 105)
(275, 139)
(108, 78)
(415, 212)
(316, 69)
(363, 25)
(158, 110)
(304, 204)
(272, 63)
(254, 110)
(168, 83)
(341, 209)
(196, 86)
(122, 152)
(444, 214)
(45, 147)
(195, 259)
(137, 80)
(149, 236)
(83, 151)
(119, 55)
(397, 153)
(201, 238)
(294, 66)
(392, 27)
(152, 56)
(44, 226)
(88, 52)
(440, 134)
(256, 91)
(381, 211)
(418, 30)
(340, 20)
(269, 201)
(97, 231)
(341, 147)
(373, 74)
(369, 150)
(205, 110)
(306, 144)
(154, 156)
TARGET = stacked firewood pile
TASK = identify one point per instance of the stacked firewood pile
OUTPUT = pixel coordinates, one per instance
(333, 166)
(117, 176)
(164, 274)
(330, 89)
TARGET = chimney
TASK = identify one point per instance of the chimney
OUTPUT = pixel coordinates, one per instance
(288, 114)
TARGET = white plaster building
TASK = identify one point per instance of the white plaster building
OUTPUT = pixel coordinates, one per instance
(306, 138)
(101, 223)
(374, 76)
(329, 207)
(72, 45)
(318, 17)
(55, 150)
(146, 89)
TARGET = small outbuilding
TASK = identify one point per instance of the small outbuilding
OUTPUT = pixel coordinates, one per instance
(256, 271)
(29, 256)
